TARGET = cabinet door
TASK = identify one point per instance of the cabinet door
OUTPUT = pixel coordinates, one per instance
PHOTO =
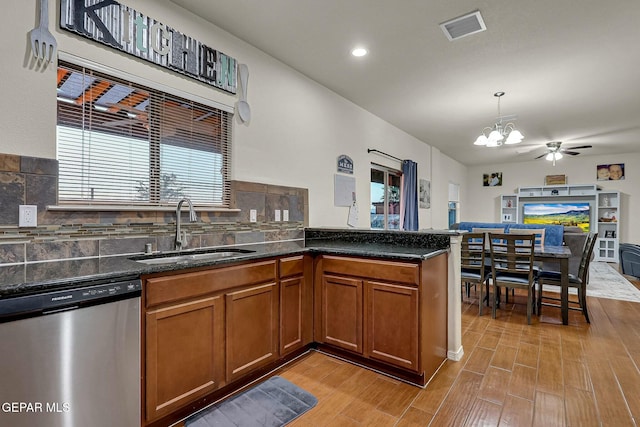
(291, 314)
(252, 329)
(391, 316)
(342, 312)
(184, 354)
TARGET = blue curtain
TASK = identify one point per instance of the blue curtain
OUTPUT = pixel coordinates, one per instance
(410, 195)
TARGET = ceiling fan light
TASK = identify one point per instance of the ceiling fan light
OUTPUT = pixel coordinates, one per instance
(549, 156)
(557, 155)
(482, 140)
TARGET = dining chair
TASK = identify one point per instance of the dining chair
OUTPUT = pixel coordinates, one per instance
(473, 270)
(579, 281)
(539, 236)
(512, 266)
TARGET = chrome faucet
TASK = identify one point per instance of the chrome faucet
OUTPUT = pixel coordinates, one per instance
(180, 239)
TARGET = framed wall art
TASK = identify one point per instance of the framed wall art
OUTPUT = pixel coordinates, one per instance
(425, 194)
(610, 172)
(555, 180)
(493, 179)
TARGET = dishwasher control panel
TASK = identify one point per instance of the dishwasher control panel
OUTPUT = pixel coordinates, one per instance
(49, 302)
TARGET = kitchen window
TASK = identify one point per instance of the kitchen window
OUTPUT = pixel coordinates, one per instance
(385, 198)
(123, 143)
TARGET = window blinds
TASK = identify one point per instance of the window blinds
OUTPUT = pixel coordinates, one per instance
(124, 143)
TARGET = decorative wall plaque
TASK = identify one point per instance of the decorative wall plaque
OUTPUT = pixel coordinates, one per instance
(345, 164)
(129, 31)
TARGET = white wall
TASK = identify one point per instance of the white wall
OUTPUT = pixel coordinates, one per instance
(297, 131)
(483, 203)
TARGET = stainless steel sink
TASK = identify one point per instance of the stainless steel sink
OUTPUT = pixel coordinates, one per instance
(195, 256)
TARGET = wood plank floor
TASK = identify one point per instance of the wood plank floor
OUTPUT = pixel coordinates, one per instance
(512, 374)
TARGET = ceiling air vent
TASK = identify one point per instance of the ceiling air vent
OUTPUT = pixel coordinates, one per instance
(470, 23)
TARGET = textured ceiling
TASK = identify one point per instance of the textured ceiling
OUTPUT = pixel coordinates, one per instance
(570, 68)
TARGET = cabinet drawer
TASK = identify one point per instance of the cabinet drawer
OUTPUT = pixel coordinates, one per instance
(159, 290)
(291, 266)
(392, 271)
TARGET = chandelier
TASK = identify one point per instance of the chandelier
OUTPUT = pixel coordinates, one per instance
(500, 133)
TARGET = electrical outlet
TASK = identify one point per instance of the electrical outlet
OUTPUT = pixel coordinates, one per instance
(28, 216)
(253, 215)
(285, 215)
(277, 214)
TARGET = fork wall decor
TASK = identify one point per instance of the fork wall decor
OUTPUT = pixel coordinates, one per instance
(43, 44)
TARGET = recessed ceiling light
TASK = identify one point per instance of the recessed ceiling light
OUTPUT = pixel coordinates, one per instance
(359, 51)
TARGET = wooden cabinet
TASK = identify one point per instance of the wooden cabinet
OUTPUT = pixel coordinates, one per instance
(184, 354)
(205, 329)
(370, 308)
(252, 329)
(296, 303)
(391, 315)
(342, 312)
(292, 292)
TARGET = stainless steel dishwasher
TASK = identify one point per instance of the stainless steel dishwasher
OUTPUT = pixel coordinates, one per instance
(71, 358)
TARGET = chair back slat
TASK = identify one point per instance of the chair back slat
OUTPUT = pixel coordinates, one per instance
(472, 252)
(512, 254)
(512, 266)
(585, 260)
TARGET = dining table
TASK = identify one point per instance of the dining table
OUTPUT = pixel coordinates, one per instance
(560, 254)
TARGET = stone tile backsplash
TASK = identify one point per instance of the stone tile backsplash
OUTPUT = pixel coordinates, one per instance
(81, 234)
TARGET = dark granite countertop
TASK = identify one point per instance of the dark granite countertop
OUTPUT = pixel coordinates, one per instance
(24, 279)
(373, 250)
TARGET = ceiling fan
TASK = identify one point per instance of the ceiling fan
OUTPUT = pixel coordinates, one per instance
(555, 152)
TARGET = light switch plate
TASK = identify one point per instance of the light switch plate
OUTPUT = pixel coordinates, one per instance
(277, 214)
(285, 215)
(28, 216)
(253, 215)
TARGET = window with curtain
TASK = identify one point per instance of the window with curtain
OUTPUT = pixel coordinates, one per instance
(385, 198)
(119, 142)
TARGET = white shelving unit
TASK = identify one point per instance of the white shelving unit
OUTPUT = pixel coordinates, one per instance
(608, 219)
(605, 219)
(509, 208)
(558, 191)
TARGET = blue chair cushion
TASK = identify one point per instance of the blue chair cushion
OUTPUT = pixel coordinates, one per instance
(553, 235)
(470, 275)
(555, 276)
(512, 278)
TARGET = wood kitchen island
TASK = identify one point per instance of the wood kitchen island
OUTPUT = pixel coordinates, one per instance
(209, 330)
(211, 325)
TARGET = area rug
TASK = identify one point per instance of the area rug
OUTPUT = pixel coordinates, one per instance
(274, 402)
(606, 282)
